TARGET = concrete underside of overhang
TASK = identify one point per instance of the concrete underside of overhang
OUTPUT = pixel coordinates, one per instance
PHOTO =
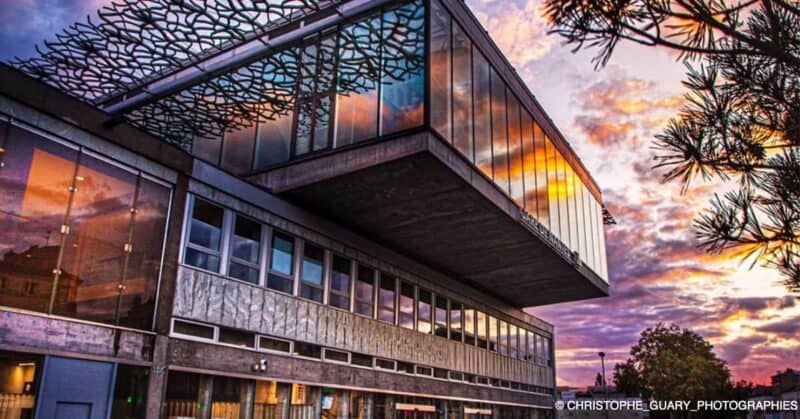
(417, 195)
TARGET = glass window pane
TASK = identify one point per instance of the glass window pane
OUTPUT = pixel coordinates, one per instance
(513, 341)
(141, 280)
(483, 123)
(563, 212)
(406, 308)
(245, 240)
(386, 296)
(424, 313)
(493, 334)
(94, 250)
(237, 149)
(365, 290)
(130, 392)
(34, 184)
(402, 82)
(272, 141)
(481, 330)
(207, 148)
(340, 283)
(469, 326)
(313, 264)
(462, 92)
(181, 395)
(322, 123)
(552, 188)
(282, 253)
(572, 206)
(206, 225)
(515, 168)
(587, 226)
(357, 83)
(531, 346)
(502, 337)
(528, 162)
(542, 200)
(499, 132)
(580, 222)
(439, 50)
(440, 316)
(303, 128)
(456, 327)
(226, 396)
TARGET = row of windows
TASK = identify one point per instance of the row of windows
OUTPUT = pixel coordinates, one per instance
(80, 236)
(203, 332)
(231, 244)
(473, 108)
(362, 81)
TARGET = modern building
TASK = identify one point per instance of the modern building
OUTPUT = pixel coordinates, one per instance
(284, 209)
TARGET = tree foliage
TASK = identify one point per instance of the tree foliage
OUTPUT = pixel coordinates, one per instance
(670, 363)
(741, 120)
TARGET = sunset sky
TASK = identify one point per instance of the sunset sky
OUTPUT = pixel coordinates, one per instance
(610, 117)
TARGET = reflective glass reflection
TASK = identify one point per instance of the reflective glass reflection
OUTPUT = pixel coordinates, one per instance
(540, 153)
(483, 121)
(273, 141)
(245, 250)
(340, 283)
(205, 229)
(386, 296)
(357, 97)
(552, 187)
(515, 168)
(237, 149)
(34, 182)
(402, 75)
(94, 250)
(456, 326)
(499, 132)
(440, 317)
(424, 313)
(528, 162)
(439, 50)
(406, 307)
(311, 269)
(141, 279)
(365, 291)
(462, 92)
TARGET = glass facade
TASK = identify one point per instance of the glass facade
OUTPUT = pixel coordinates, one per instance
(364, 80)
(82, 236)
(474, 109)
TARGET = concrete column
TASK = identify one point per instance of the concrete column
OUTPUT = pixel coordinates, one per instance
(443, 409)
(388, 407)
(343, 407)
(368, 406)
(315, 399)
(157, 381)
(284, 396)
(204, 396)
(247, 397)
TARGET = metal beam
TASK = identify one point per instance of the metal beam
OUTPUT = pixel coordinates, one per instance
(234, 58)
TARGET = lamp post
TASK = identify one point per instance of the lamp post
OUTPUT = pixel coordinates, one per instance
(605, 389)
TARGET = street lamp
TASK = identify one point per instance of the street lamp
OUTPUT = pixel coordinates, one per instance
(605, 389)
(603, 366)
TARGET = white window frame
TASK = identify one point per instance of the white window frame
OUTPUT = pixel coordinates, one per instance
(173, 333)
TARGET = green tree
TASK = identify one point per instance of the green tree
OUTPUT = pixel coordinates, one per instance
(670, 363)
(741, 119)
(626, 378)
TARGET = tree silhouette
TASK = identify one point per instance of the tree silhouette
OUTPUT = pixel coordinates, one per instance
(670, 363)
(741, 119)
